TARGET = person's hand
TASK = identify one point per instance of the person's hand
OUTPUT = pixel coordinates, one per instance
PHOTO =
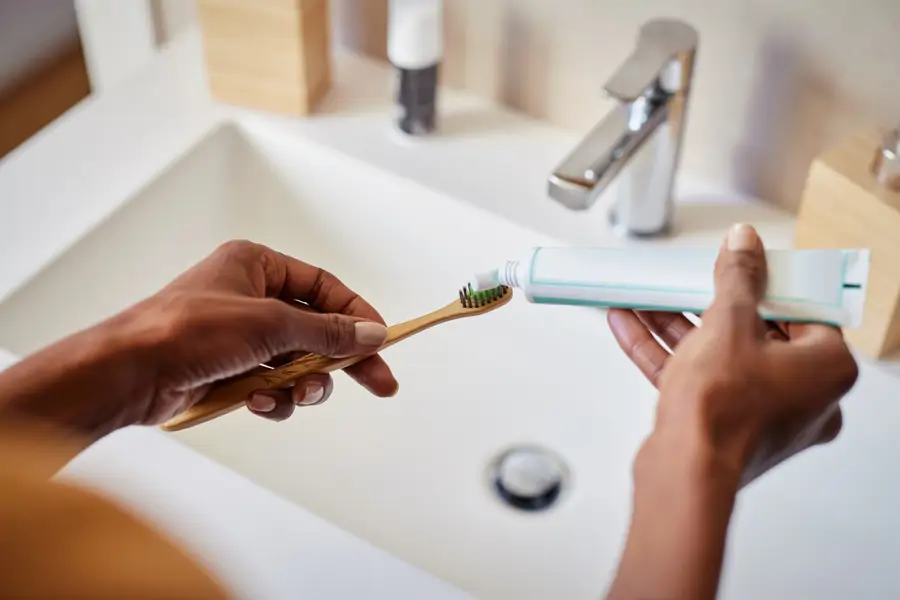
(247, 305)
(737, 396)
(243, 306)
(756, 393)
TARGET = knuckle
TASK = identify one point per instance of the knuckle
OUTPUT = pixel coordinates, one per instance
(832, 433)
(655, 373)
(238, 249)
(337, 335)
(848, 374)
(740, 307)
(673, 329)
(273, 270)
(730, 381)
(750, 264)
(351, 303)
(640, 349)
(744, 266)
(834, 336)
(837, 424)
(642, 355)
(277, 330)
(321, 286)
(728, 314)
(831, 429)
(844, 370)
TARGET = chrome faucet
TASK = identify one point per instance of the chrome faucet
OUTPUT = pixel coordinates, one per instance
(641, 136)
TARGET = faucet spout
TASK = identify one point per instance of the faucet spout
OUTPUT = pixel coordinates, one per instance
(643, 132)
(589, 169)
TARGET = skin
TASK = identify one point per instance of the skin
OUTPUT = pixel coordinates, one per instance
(242, 306)
(737, 396)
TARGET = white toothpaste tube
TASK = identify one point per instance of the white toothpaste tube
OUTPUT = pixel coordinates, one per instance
(824, 286)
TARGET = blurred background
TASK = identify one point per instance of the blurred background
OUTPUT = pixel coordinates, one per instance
(795, 75)
(42, 68)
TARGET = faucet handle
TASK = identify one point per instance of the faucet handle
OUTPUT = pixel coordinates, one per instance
(664, 53)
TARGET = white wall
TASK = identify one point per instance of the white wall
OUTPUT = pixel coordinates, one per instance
(118, 38)
(776, 80)
(32, 34)
(172, 16)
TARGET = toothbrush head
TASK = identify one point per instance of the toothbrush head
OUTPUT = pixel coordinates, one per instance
(482, 299)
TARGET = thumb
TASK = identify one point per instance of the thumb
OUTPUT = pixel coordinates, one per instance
(329, 334)
(740, 277)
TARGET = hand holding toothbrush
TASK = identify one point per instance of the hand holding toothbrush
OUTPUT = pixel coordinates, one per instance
(737, 396)
(233, 311)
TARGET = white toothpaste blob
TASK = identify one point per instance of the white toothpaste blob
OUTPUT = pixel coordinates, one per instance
(485, 280)
(827, 286)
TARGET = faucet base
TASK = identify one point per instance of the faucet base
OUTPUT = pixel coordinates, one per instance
(622, 230)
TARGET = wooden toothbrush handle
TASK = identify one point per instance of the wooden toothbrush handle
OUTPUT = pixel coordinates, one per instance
(232, 395)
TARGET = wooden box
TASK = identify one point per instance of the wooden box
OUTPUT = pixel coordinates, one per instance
(844, 206)
(271, 55)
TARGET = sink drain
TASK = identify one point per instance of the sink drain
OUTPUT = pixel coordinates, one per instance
(528, 478)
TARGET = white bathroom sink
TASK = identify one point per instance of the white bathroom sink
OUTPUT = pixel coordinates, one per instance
(410, 473)
(407, 473)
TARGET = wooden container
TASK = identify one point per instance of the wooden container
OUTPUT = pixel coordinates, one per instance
(272, 55)
(844, 206)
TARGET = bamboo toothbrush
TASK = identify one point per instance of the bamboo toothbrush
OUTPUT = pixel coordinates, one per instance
(232, 395)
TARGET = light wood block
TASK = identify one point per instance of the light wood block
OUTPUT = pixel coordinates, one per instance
(272, 55)
(844, 206)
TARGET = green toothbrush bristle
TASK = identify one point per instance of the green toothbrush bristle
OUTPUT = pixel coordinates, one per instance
(470, 298)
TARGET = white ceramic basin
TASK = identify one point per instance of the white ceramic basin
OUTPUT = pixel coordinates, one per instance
(409, 473)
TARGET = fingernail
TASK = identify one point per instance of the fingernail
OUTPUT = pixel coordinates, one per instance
(742, 238)
(262, 403)
(314, 394)
(370, 334)
(396, 389)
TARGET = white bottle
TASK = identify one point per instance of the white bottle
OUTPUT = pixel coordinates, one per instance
(826, 286)
(415, 47)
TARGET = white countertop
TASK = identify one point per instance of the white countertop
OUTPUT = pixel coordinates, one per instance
(256, 543)
(79, 170)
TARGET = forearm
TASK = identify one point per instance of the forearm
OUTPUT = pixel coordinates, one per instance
(86, 384)
(683, 501)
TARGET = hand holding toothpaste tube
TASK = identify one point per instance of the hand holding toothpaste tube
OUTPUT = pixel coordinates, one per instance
(737, 396)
